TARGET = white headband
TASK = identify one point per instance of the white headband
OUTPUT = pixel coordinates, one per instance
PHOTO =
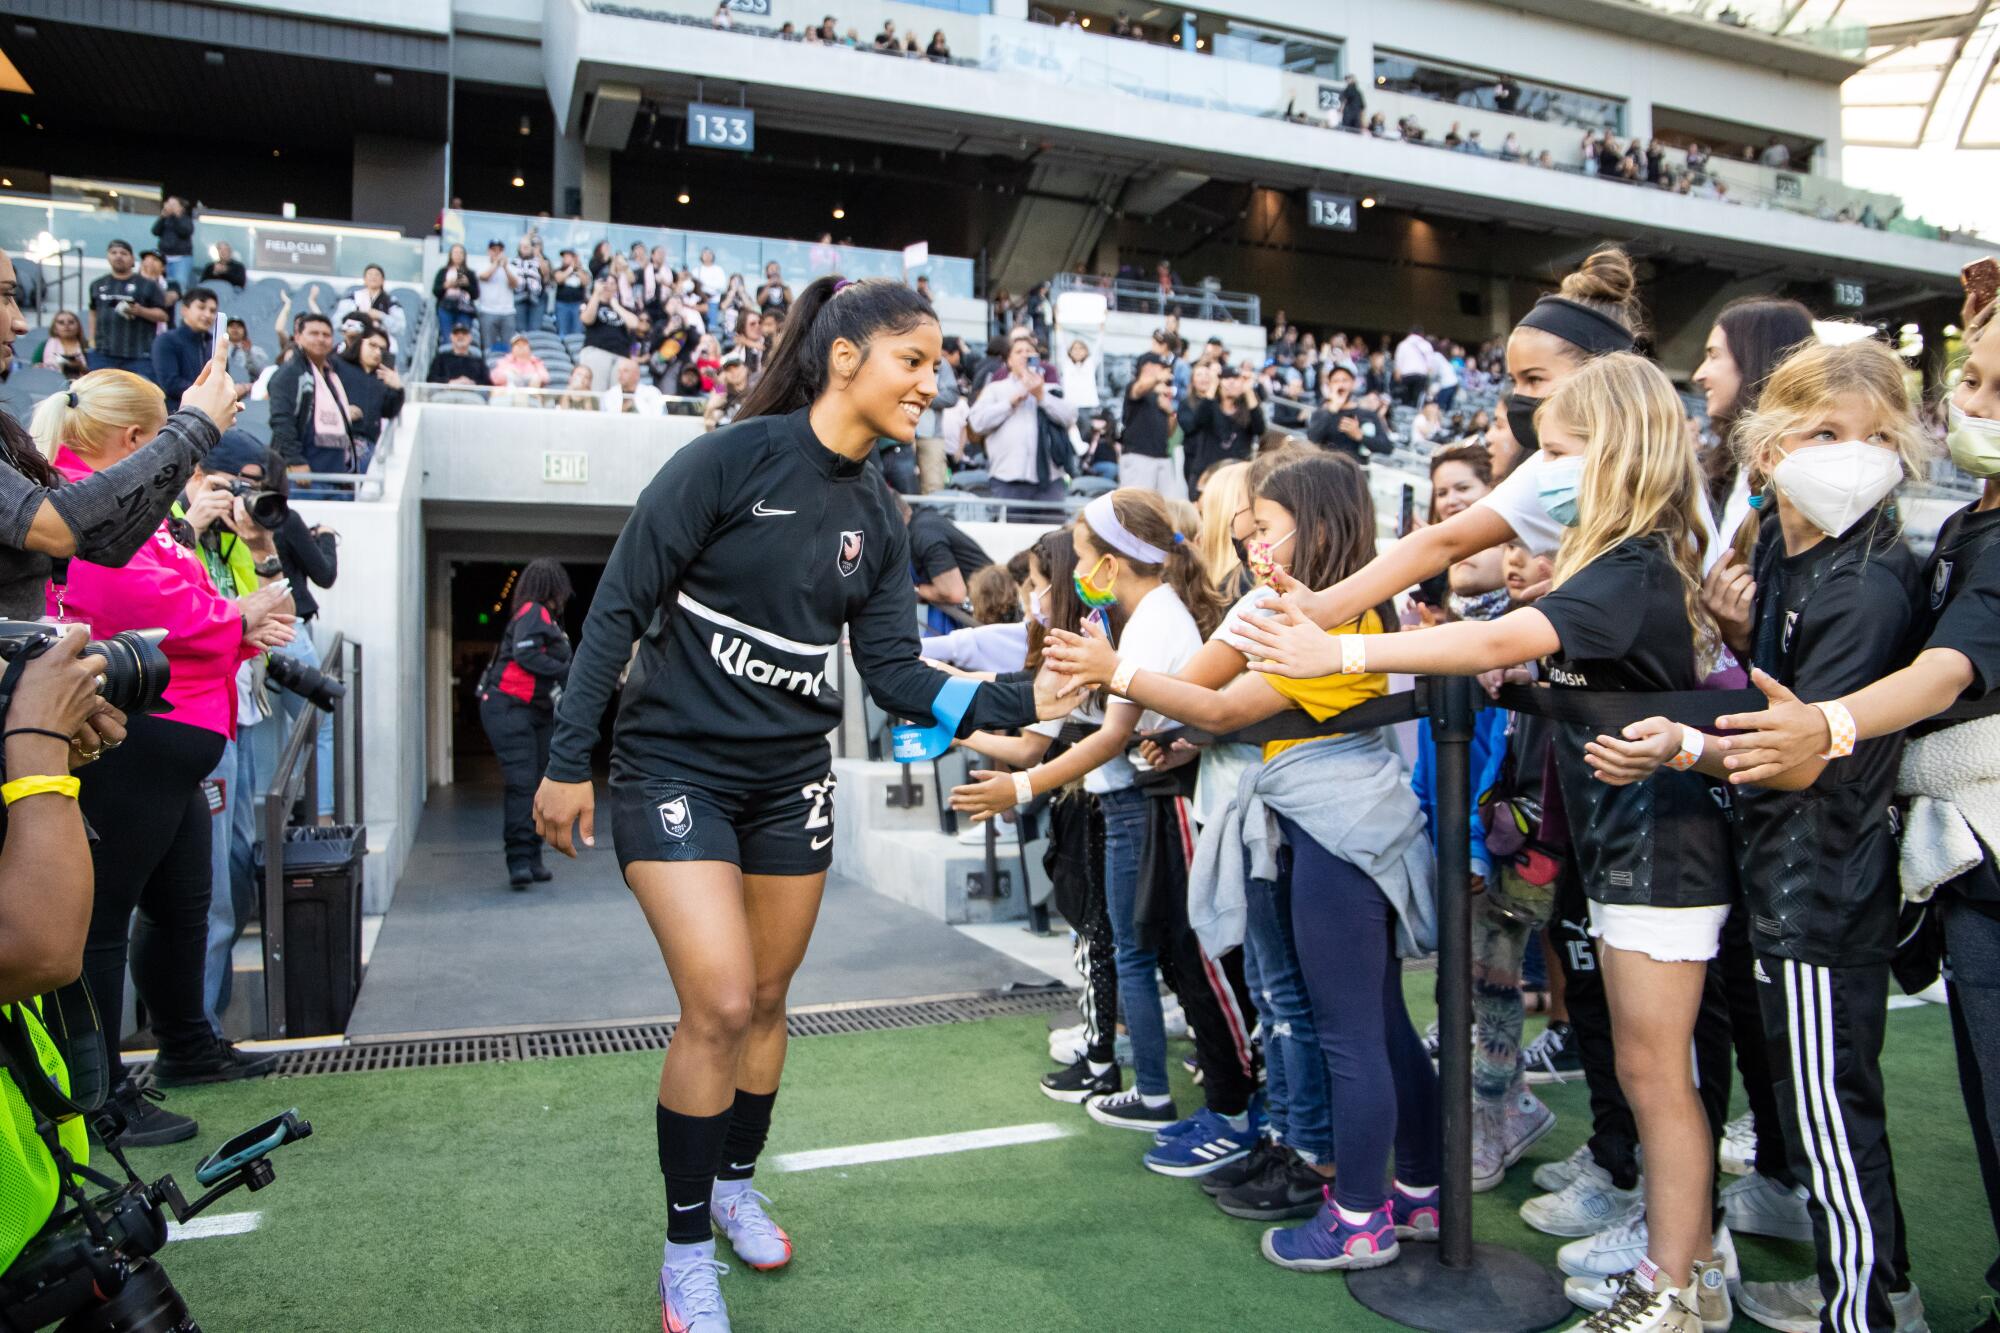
(1102, 517)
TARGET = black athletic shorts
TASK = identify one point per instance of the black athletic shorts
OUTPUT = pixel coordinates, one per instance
(788, 831)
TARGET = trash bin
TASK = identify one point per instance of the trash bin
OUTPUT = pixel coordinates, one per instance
(322, 926)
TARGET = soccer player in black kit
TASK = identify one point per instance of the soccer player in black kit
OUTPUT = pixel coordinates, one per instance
(742, 563)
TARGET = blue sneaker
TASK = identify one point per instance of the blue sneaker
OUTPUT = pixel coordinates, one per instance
(1212, 1143)
(1167, 1134)
(1416, 1215)
(757, 1240)
(690, 1299)
(1330, 1242)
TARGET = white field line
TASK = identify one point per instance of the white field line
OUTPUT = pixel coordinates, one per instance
(935, 1145)
(216, 1224)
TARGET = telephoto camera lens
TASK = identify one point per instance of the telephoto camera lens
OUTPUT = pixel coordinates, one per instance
(135, 669)
(309, 683)
(267, 509)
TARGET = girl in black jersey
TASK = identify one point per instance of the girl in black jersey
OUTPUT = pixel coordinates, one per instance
(1955, 635)
(743, 563)
(1624, 615)
(1816, 846)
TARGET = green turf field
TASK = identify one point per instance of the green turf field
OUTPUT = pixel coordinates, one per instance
(527, 1197)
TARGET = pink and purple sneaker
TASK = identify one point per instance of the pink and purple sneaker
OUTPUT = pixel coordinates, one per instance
(1329, 1241)
(1415, 1213)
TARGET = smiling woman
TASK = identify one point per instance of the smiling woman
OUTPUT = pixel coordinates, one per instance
(751, 554)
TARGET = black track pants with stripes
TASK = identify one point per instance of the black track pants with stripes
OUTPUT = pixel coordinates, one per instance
(1824, 1026)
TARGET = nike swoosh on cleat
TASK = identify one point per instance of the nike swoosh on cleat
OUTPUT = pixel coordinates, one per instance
(762, 510)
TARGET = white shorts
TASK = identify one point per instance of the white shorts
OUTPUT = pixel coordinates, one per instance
(1663, 934)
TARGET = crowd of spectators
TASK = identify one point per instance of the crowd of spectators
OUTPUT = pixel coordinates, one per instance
(827, 32)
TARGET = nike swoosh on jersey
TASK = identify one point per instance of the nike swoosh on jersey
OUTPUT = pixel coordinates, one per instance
(761, 510)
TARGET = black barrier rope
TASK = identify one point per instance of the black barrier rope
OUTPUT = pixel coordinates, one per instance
(1457, 1286)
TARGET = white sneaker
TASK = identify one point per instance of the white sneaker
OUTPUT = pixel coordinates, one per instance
(1794, 1307)
(1066, 1045)
(1612, 1252)
(1590, 1203)
(1552, 1176)
(1759, 1206)
(1712, 1300)
(1738, 1153)
(1637, 1310)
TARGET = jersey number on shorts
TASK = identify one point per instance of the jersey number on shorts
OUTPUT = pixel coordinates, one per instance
(819, 817)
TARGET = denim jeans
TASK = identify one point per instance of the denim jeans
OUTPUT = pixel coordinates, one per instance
(306, 652)
(1295, 1088)
(1138, 967)
(180, 271)
(527, 313)
(1972, 972)
(215, 976)
(569, 318)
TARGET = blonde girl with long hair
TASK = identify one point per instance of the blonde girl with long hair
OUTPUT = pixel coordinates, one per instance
(1625, 614)
(1816, 846)
(1224, 499)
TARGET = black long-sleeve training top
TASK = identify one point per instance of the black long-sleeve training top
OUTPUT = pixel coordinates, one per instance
(742, 561)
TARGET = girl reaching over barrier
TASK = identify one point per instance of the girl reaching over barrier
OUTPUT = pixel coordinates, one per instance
(744, 562)
(1624, 615)
(1359, 887)
(1817, 854)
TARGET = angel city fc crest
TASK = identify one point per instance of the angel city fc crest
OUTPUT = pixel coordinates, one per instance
(850, 552)
(676, 818)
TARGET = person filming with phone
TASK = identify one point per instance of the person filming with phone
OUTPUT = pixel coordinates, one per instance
(1010, 412)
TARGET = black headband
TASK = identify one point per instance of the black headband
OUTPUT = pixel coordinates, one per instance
(1596, 333)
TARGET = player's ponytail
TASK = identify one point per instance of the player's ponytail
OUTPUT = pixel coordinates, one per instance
(798, 370)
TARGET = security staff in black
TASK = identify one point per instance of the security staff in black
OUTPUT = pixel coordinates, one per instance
(742, 565)
(517, 703)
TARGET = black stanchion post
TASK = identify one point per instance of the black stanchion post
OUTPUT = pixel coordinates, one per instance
(1456, 1286)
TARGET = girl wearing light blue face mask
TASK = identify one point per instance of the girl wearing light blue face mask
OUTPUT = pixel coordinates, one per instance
(996, 647)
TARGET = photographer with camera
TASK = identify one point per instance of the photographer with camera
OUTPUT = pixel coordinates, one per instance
(104, 517)
(145, 798)
(45, 900)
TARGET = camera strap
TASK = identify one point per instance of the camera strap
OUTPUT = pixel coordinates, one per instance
(11, 678)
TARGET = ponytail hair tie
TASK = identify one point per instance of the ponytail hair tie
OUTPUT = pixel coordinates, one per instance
(1180, 539)
(841, 286)
(70, 399)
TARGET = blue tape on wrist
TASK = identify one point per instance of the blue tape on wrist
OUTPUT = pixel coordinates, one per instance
(911, 744)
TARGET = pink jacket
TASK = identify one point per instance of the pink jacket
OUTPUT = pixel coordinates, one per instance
(165, 586)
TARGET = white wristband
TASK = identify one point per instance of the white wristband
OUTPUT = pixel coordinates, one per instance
(1024, 790)
(1353, 655)
(1839, 729)
(1121, 679)
(1692, 741)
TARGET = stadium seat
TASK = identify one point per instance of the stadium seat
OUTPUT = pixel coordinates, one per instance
(256, 418)
(27, 386)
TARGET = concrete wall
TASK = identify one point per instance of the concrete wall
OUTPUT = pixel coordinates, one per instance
(378, 602)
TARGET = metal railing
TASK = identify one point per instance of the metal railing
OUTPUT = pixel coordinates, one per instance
(967, 507)
(297, 778)
(1139, 296)
(558, 399)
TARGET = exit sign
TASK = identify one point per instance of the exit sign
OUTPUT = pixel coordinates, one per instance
(565, 468)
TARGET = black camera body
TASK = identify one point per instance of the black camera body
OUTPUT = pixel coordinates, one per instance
(136, 672)
(92, 1266)
(267, 509)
